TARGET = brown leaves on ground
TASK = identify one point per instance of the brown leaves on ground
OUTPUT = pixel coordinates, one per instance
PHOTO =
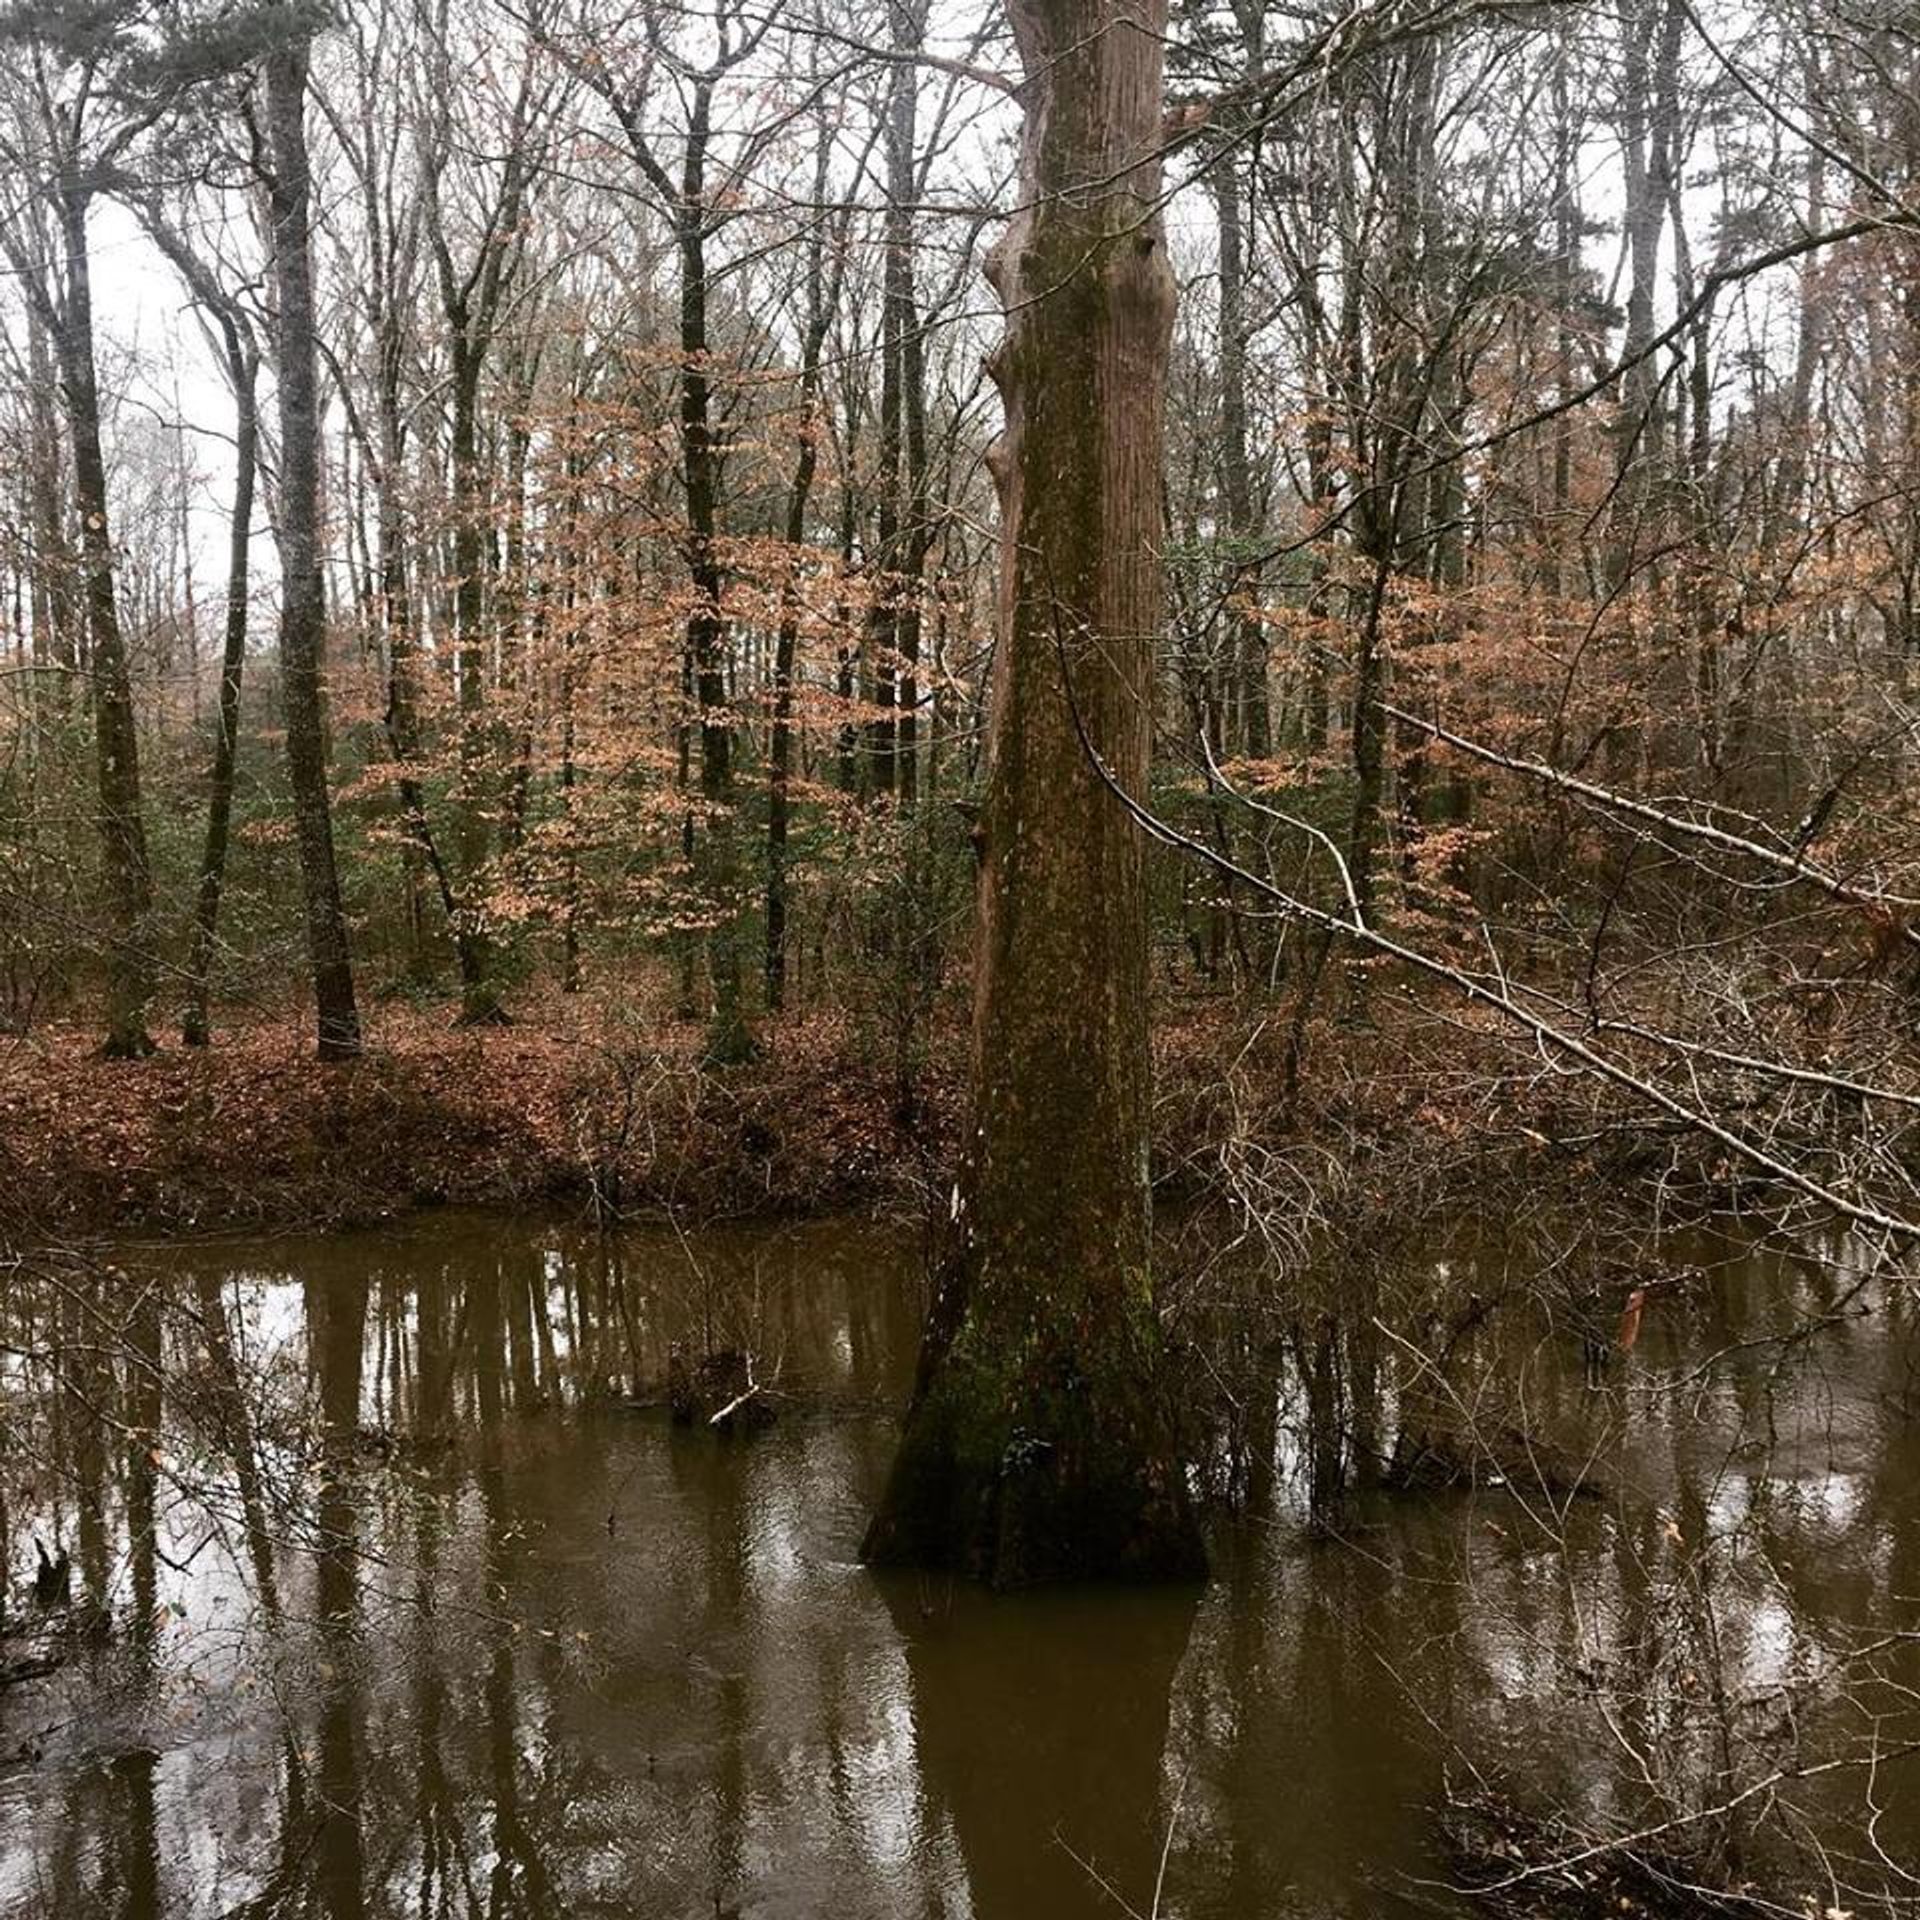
(255, 1131)
(583, 1099)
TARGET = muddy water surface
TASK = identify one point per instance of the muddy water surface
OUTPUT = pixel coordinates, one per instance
(443, 1615)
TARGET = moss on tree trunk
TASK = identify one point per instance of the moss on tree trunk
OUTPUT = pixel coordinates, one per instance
(1042, 1443)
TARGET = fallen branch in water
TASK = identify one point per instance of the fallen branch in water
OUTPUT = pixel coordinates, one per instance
(733, 1406)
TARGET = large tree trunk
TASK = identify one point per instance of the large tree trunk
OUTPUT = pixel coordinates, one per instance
(1040, 1443)
(123, 833)
(303, 618)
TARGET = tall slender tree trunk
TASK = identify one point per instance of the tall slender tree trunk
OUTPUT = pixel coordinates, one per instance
(879, 661)
(479, 994)
(909, 346)
(123, 833)
(470, 509)
(570, 981)
(893, 622)
(51, 576)
(478, 1003)
(571, 599)
(780, 737)
(303, 620)
(1651, 32)
(241, 354)
(1041, 1440)
(242, 368)
(1564, 567)
(521, 620)
(717, 847)
(846, 684)
(1247, 668)
(422, 853)
(799, 495)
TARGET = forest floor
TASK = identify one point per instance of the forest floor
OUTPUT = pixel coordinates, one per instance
(567, 1103)
(579, 1102)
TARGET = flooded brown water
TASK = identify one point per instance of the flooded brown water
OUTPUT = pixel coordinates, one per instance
(480, 1632)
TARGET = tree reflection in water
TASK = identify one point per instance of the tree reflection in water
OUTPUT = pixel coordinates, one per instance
(397, 1595)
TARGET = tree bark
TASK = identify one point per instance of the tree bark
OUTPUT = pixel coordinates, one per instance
(1247, 667)
(303, 618)
(242, 366)
(241, 353)
(820, 305)
(717, 850)
(1651, 33)
(51, 581)
(479, 996)
(712, 847)
(1041, 1440)
(123, 834)
(906, 348)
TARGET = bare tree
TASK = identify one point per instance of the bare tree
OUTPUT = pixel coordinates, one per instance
(62, 133)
